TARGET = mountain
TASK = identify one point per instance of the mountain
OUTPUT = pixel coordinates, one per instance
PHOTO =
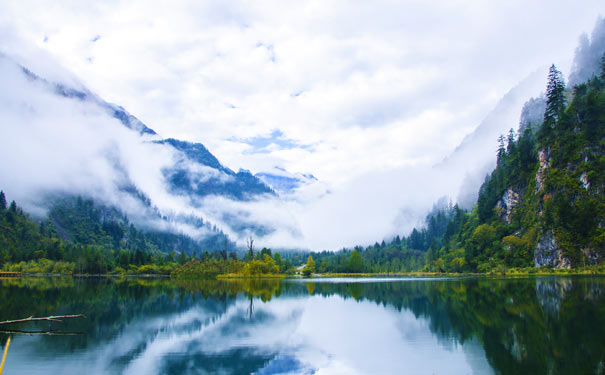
(182, 176)
(84, 94)
(186, 179)
(285, 182)
(587, 59)
(72, 144)
(543, 205)
(475, 155)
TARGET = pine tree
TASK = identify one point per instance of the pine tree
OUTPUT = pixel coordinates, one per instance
(2, 201)
(603, 67)
(501, 148)
(13, 207)
(510, 141)
(355, 263)
(555, 100)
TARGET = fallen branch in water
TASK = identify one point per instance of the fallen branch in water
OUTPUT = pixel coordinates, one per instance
(46, 318)
(49, 333)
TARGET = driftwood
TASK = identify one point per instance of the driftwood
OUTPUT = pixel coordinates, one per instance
(46, 318)
(49, 333)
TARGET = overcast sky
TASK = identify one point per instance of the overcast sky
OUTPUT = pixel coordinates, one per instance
(351, 86)
(366, 96)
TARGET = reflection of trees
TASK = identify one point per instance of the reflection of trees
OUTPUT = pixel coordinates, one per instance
(545, 325)
(539, 325)
(264, 289)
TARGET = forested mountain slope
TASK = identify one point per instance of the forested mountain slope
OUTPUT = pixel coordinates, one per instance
(543, 205)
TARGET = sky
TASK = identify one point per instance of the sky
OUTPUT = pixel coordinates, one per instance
(348, 91)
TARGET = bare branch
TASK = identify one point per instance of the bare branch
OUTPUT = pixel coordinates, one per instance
(47, 318)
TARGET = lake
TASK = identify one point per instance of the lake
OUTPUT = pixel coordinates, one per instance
(532, 325)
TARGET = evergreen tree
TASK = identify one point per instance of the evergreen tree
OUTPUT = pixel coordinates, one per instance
(603, 68)
(510, 146)
(355, 263)
(555, 101)
(2, 201)
(501, 148)
(182, 257)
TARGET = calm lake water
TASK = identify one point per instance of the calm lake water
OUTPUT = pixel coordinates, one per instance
(544, 325)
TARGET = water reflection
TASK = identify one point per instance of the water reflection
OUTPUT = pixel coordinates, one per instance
(363, 326)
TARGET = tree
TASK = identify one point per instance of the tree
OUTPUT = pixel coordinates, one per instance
(323, 266)
(398, 240)
(250, 243)
(355, 263)
(262, 253)
(501, 148)
(13, 207)
(309, 267)
(278, 260)
(182, 257)
(603, 67)
(555, 100)
(510, 141)
(2, 201)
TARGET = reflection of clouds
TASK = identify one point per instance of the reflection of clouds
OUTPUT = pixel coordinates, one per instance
(287, 335)
(342, 329)
(267, 332)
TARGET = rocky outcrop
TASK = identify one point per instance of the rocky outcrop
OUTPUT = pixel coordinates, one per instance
(505, 205)
(544, 159)
(548, 254)
(584, 181)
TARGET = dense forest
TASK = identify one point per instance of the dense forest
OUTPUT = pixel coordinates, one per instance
(80, 236)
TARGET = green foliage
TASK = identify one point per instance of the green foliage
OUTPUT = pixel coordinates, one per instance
(564, 195)
(309, 267)
(29, 248)
(355, 263)
(210, 268)
(207, 269)
(261, 267)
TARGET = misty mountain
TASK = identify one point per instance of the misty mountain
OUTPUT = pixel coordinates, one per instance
(476, 155)
(587, 59)
(183, 177)
(83, 94)
(283, 181)
(70, 141)
(186, 177)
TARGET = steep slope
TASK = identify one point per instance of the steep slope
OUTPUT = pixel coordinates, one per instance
(544, 204)
(70, 142)
(475, 156)
(188, 179)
